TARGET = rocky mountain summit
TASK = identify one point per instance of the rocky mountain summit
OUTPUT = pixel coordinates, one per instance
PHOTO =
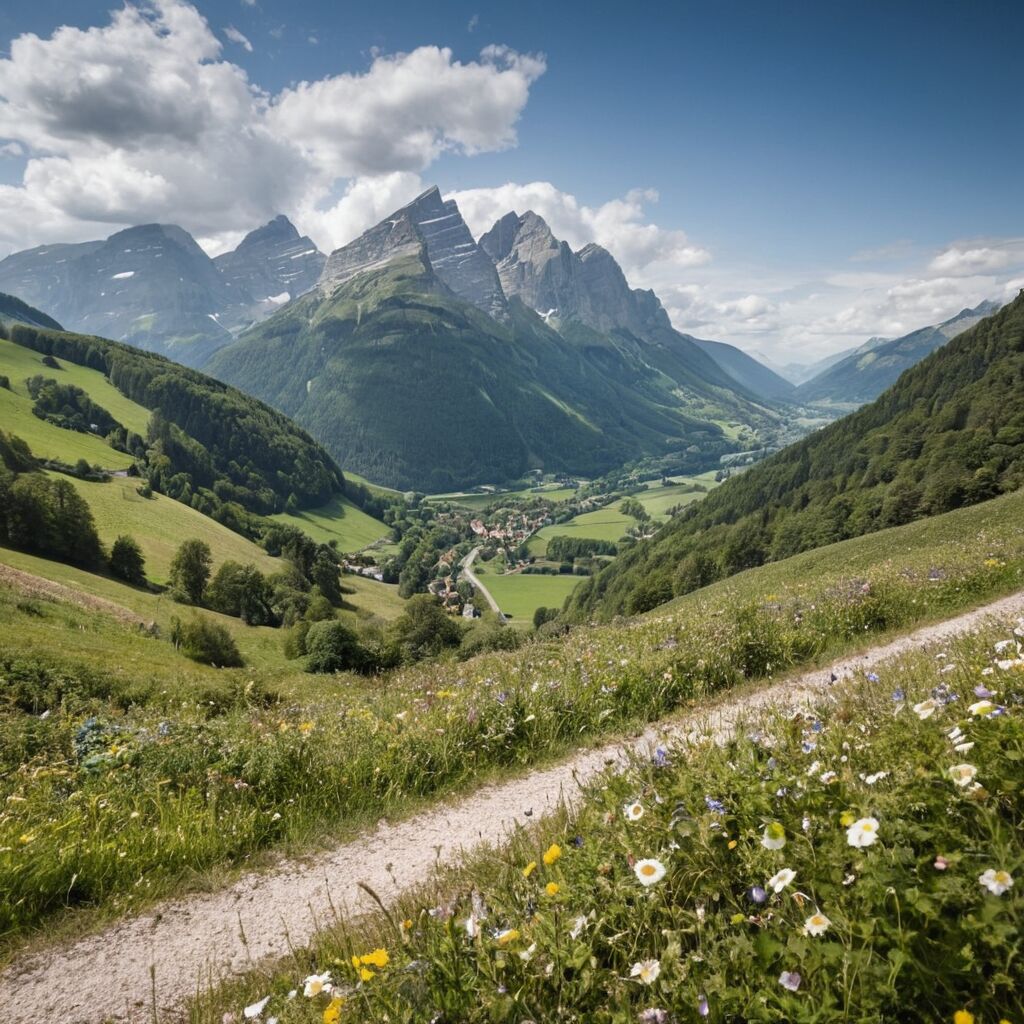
(588, 285)
(436, 228)
(273, 263)
(154, 287)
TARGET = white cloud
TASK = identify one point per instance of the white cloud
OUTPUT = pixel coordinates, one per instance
(619, 225)
(11, 149)
(407, 110)
(142, 119)
(235, 36)
(473, 22)
(967, 259)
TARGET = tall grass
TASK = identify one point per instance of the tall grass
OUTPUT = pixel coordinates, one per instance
(125, 789)
(919, 925)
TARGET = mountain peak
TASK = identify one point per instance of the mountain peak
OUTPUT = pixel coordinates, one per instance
(434, 227)
(280, 229)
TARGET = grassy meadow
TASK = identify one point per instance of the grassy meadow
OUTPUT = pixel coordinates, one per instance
(149, 772)
(339, 520)
(519, 595)
(19, 363)
(49, 441)
(858, 860)
(160, 524)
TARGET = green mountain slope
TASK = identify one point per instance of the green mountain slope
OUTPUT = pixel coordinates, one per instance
(411, 386)
(949, 433)
(14, 311)
(414, 367)
(750, 374)
(205, 442)
(867, 371)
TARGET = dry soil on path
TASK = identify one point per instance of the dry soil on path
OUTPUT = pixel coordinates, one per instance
(189, 941)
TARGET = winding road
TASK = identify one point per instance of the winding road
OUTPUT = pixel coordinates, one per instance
(467, 569)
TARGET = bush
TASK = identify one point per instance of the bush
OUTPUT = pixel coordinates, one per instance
(206, 642)
(333, 647)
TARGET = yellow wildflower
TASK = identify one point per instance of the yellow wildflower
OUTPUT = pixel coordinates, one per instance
(552, 853)
(529, 869)
(732, 844)
(333, 1011)
(306, 727)
(552, 888)
(378, 958)
(963, 1017)
(507, 936)
(847, 818)
(366, 974)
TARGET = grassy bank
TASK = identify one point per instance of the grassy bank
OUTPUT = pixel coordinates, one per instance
(132, 783)
(861, 860)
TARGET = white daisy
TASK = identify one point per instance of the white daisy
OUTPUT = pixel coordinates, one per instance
(646, 971)
(649, 871)
(816, 924)
(963, 774)
(774, 837)
(862, 832)
(633, 811)
(317, 983)
(781, 879)
(997, 882)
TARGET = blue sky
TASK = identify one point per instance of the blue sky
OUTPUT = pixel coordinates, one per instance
(823, 171)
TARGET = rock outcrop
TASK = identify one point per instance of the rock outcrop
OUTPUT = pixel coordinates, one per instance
(434, 228)
(588, 285)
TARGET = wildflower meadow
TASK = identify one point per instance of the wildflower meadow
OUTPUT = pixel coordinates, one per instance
(858, 859)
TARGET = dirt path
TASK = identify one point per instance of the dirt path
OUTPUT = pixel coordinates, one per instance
(192, 939)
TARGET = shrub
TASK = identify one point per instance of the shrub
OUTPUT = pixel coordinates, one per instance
(206, 642)
(333, 647)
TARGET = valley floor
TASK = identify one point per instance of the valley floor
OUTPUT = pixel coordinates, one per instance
(177, 948)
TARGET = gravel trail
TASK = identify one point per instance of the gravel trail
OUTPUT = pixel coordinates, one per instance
(190, 940)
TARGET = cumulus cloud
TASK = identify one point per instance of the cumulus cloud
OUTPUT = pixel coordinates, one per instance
(620, 225)
(235, 36)
(966, 259)
(407, 110)
(142, 119)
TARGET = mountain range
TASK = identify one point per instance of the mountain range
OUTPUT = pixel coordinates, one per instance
(424, 358)
(152, 285)
(864, 373)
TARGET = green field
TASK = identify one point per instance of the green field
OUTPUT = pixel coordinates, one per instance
(356, 478)
(609, 523)
(51, 442)
(604, 524)
(160, 524)
(338, 520)
(519, 595)
(20, 363)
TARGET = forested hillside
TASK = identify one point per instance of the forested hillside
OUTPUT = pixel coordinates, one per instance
(208, 444)
(949, 433)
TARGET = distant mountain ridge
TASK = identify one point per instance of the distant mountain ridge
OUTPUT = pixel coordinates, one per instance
(948, 433)
(754, 375)
(424, 359)
(152, 285)
(863, 374)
